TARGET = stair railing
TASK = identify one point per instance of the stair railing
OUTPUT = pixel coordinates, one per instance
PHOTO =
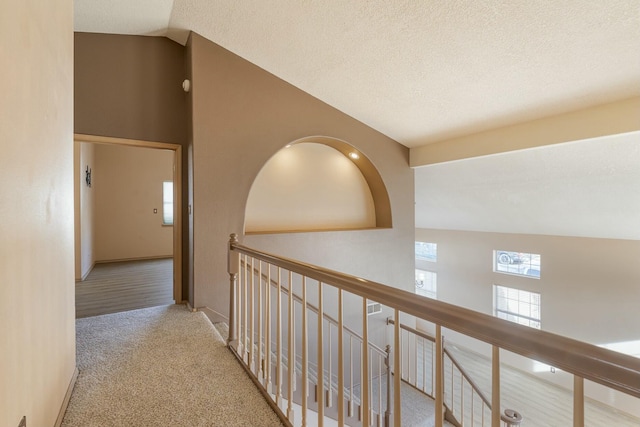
(380, 357)
(418, 369)
(585, 361)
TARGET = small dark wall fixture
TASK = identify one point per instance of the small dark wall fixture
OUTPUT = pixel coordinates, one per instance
(87, 177)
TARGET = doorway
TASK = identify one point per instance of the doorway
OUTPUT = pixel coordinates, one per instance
(83, 182)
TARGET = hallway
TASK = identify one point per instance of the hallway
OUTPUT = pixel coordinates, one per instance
(160, 366)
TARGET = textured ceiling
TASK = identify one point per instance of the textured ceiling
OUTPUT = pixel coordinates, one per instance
(586, 188)
(148, 17)
(418, 71)
(430, 70)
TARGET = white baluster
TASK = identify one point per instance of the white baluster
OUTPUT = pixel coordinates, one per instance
(452, 394)
(397, 416)
(350, 376)
(251, 319)
(340, 362)
(379, 387)
(439, 416)
(364, 379)
(267, 326)
(291, 355)
(305, 361)
(472, 412)
(245, 302)
(260, 326)
(329, 400)
(279, 340)
(320, 370)
(461, 397)
(495, 387)
(241, 302)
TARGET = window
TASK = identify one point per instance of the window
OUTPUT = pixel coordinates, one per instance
(517, 263)
(167, 202)
(373, 307)
(426, 284)
(428, 251)
(517, 306)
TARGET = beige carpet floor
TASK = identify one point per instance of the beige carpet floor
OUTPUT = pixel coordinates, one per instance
(160, 366)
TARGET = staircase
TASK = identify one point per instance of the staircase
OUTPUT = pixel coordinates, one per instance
(418, 406)
(380, 407)
(287, 317)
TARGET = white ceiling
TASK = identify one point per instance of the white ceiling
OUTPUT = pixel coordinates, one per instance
(429, 70)
(417, 71)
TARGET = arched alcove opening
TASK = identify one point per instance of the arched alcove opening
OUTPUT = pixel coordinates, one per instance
(317, 184)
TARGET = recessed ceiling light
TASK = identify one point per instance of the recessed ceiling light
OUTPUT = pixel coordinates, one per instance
(354, 155)
(287, 146)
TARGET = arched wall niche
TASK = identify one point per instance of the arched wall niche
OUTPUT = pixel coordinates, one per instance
(314, 184)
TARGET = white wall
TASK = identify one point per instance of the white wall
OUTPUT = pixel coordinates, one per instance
(127, 183)
(37, 305)
(85, 206)
(589, 287)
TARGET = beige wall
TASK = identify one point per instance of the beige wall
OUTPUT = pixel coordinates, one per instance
(603, 120)
(37, 313)
(131, 87)
(127, 183)
(241, 117)
(589, 287)
(309, 186)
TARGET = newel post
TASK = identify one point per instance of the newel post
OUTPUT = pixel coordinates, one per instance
(233, 266)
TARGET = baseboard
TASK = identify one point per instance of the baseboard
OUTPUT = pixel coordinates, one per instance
(67, 397)
(106, 261)
(84, 276)
(189, 307)
(213, 315)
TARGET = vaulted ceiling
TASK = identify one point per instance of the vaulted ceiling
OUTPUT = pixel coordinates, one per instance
(427, 71)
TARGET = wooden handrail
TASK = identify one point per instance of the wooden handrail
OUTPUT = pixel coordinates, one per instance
(611, 369)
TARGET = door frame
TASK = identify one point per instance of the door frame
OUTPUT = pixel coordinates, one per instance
(177, 194)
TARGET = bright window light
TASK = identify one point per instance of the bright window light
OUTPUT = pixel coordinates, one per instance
(427, 251)
(167, 202)
(518, 263)
(426, 284)
(517, 306)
